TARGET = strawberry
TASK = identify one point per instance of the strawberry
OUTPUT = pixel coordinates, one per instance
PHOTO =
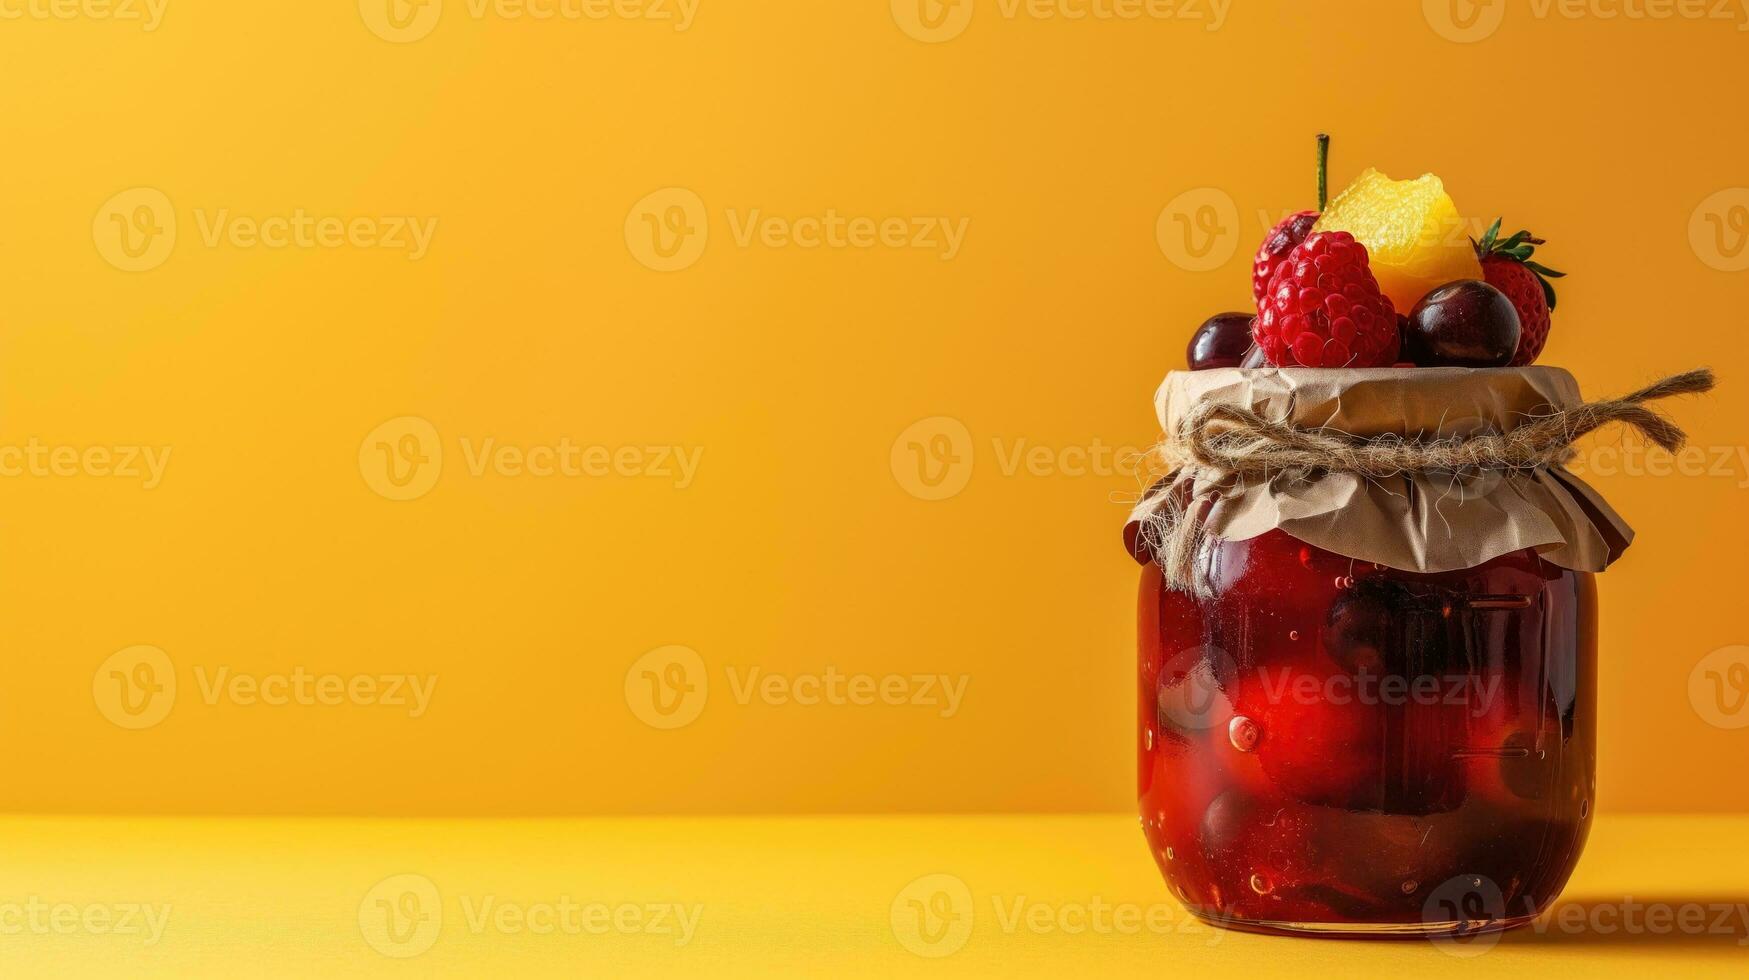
(1508, 267)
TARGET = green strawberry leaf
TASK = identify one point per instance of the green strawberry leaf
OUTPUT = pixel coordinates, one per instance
(1519, 248)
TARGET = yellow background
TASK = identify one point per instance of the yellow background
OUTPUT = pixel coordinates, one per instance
(799, 546)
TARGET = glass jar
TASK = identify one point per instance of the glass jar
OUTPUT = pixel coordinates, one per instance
(1334, 746)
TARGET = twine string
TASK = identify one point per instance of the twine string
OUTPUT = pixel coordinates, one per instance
(1223, 442)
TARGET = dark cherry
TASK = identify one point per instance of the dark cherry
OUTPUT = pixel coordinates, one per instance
(1467, 323)
(1291, 232)
(1221, 341)
(1255, 359)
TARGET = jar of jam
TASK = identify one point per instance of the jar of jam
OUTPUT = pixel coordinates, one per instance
(1367, 703)
(1338, 746)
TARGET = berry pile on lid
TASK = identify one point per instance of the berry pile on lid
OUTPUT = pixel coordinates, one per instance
(1383, 276)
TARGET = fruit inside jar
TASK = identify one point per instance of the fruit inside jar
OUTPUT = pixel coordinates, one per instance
(1329, 745)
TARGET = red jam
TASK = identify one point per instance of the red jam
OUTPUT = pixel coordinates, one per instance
(1334, 746)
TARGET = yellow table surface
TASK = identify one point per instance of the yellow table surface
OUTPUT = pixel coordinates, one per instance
(829, 896)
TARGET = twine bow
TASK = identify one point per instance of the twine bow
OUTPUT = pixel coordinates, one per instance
(1220, 442)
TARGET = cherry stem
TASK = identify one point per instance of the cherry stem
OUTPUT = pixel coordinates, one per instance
(1323, 170)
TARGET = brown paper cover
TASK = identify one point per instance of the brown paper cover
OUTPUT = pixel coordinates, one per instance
(1422, 522)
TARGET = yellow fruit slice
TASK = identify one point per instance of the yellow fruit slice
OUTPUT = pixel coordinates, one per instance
(1414, 237)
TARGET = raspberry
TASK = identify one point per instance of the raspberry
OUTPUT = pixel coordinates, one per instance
(1276, 245)
(1323, 308)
